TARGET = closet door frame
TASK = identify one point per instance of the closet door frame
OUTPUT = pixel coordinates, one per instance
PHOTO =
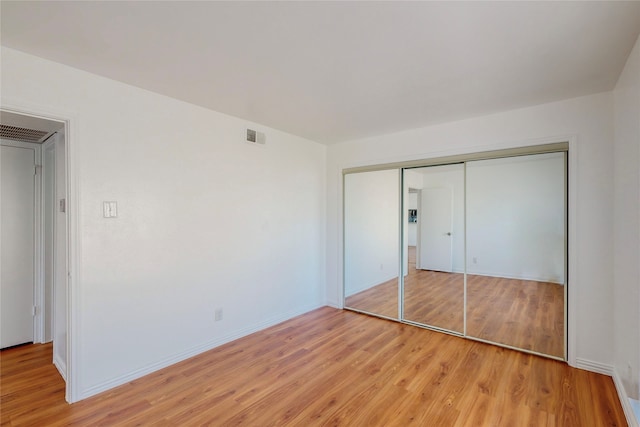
(551, 145)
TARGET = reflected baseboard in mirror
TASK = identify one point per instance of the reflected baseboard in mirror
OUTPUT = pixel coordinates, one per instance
(381, 299)
(520, 313)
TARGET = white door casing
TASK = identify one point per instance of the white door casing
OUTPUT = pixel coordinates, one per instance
(18, 244)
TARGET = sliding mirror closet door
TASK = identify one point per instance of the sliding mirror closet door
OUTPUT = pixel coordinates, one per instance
(434, 244)
(372, 242)
(516, 246)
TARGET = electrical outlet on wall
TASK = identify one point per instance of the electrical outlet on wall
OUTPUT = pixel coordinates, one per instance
(218, 314)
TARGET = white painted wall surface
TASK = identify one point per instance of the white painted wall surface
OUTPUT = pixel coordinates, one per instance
(516, 217)
(371, 229)
(205, 221)
(589, 119)
(626, 271)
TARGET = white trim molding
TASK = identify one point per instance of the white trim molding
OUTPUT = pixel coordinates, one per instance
(60, 366)
(572, 251)
(610, 371)
(591, 366)
(625, 401)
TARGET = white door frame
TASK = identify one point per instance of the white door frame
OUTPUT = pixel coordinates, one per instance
(418, 229)
(46, 147)
(72, 247)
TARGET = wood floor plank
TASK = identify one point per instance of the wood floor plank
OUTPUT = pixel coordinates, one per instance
(328, 367)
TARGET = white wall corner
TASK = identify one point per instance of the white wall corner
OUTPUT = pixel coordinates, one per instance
(334, 304)
(625, 401)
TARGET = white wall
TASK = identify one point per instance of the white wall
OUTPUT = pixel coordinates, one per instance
(205, 221)
(587, 119)
(626, 283)
(515, 217)
(371, 229)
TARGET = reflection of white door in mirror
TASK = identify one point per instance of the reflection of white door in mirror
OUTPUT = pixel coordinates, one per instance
(436, 219)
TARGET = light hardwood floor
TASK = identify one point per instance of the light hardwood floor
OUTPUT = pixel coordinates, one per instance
(520, 313)
(327, 367)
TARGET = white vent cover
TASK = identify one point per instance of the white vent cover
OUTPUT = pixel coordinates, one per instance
(23, 134)
(254, 137)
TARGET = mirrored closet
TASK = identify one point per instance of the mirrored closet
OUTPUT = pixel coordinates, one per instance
(481, 240)
(434, 281)
(372, 242)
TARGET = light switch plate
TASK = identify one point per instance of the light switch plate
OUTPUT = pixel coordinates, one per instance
(110, 209)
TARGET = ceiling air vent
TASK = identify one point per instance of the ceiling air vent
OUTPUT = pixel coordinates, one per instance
(255, 137)
(251, 135)
(23, 134)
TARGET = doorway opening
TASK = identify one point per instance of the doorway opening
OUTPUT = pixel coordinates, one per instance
(35, 237)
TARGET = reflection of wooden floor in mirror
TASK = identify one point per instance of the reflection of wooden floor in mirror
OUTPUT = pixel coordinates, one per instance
(520, 313)
(382, 299)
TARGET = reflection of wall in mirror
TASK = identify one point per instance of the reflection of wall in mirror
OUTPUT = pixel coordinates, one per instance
(370, 229)
(516, 217)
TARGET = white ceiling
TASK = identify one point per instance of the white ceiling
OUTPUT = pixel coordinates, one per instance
(335, 71)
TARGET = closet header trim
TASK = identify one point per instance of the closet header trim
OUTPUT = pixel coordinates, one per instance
(461, 158)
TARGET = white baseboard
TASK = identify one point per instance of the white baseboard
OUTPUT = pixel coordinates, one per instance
(609, 370)
(61, 366)
(334, 304)
(597, 367)
(370, 285)
(123, 379)
(625, 401)
(554, 280)
(635, 405)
